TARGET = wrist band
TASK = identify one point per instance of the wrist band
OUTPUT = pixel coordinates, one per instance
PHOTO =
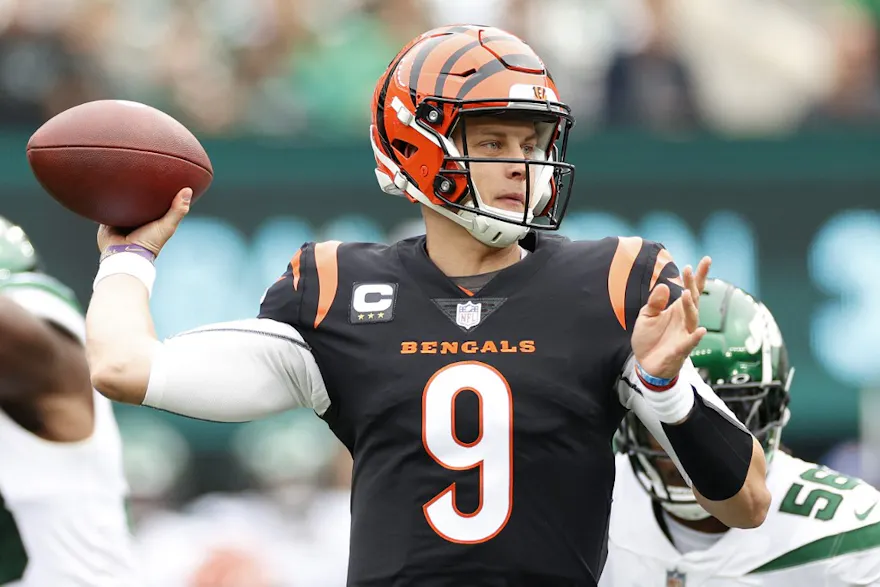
(128, 248)
(129, 263)
(654, 383)
(670, 404)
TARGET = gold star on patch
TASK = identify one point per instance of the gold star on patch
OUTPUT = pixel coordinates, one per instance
(370, 316)
(381, 314)
(360, 316)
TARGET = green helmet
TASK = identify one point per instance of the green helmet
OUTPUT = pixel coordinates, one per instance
(744, 359)
(17, 254)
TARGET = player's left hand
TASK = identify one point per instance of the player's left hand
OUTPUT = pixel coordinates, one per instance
(663, 338)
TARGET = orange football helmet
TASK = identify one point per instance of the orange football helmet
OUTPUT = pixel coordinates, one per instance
(428, 91)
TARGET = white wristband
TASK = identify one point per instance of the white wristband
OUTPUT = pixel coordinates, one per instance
(129, 264)
(671, 405)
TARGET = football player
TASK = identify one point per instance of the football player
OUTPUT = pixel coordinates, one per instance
(823, 527)
(477, 373)
(62, 487)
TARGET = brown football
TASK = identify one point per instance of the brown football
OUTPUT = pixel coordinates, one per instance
(117, 162)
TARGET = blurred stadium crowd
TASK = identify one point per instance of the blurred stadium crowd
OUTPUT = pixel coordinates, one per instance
(736, 67)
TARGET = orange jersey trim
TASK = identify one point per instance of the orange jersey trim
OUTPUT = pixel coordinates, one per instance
(621, 267)
(294, 268)
(327, 264)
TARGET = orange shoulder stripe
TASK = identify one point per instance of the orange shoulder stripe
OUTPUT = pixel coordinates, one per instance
(327, 263)
(294, 268)
(664, 258)
(621, 266)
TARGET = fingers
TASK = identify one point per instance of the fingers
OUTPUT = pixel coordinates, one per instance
(703, 273)
(696, 282)
(656, 301)
(691, 313)
(690, 283)
(687, 276)
(690, 343)
(686, 344)
(179, 208)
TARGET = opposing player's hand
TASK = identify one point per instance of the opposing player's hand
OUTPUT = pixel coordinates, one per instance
(663, 338)
(153, 235)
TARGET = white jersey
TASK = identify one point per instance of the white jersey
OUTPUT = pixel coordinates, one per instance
(823, 530)
(62, 505)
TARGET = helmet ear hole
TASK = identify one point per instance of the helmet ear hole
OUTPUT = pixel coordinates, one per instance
(404, 149)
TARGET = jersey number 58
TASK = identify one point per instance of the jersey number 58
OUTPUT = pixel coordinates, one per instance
(795, 503)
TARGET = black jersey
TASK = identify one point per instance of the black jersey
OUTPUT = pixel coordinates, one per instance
(480, 425)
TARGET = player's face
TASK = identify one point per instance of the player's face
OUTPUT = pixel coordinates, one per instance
(502, 185)
(665, 467)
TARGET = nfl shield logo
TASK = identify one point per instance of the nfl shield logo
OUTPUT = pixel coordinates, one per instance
(468, 315)
(675, 579)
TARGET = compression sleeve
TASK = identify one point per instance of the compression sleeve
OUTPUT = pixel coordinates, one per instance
(710, 462)
(235, 372)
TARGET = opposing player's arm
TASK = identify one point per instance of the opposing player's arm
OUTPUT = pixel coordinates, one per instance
(29, 352)
(719, 457)
(42, 339)
(233, 371)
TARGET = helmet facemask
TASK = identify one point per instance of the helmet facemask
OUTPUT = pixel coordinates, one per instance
(453, 193)
(548, 180)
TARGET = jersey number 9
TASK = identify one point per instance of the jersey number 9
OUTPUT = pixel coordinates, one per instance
(492, 451)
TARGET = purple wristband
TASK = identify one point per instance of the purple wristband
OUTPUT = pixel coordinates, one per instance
(136, 249)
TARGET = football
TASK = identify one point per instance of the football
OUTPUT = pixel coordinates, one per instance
(117, 162)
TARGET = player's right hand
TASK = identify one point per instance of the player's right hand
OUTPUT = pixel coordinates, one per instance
(152, 236)
(663, 337)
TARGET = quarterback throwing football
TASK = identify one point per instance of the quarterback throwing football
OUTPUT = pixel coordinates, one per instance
(477, 373)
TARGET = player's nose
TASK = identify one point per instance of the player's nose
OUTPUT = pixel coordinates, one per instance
(515, 170)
